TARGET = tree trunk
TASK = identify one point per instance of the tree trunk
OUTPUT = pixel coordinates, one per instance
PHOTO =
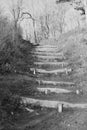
(85, 7)
(35, 36)
(86, 14)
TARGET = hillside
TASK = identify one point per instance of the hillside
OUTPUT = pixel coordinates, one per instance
(73, 45)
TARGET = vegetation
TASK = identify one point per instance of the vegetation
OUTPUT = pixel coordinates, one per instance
(11, 105)
(13, 52)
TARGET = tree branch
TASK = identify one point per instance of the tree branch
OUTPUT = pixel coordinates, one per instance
(30, 16)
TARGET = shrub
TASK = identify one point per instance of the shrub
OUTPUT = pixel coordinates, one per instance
(11, 105)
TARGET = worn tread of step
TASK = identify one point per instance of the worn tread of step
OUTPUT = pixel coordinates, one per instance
(56, 90)
(63, 70)
(51, 63)
(54, 82)
(52, 104)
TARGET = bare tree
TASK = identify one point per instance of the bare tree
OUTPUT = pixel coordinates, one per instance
(19, 14)
(4, 29)
(34, 23)
(27, 15)
(52, 23)
(61, 18)
(16, 11)
(44, 23)
(82, 7)
(85, 7)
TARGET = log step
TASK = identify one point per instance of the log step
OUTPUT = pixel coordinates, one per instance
(47, 46)
(56, 90)
(50, 57)
(47, 53)
(54, 82)
(52, 104)
(59, 59)
(51, 63)
(46, 49)
(63, 70)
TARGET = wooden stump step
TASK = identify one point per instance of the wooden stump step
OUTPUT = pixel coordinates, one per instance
(51, 63)
(53, 104)
(56, 90)
(63, 70)
(54, 82)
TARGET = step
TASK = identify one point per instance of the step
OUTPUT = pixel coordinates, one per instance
(46, 49)
(54, 82)
(47, 53)
(48, 46)
(52, 104)
(56, 90)
(51, 63)
(58, 59)
(63, 70)
(50, 57)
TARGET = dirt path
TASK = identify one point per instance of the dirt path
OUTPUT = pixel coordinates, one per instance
(36, 121)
